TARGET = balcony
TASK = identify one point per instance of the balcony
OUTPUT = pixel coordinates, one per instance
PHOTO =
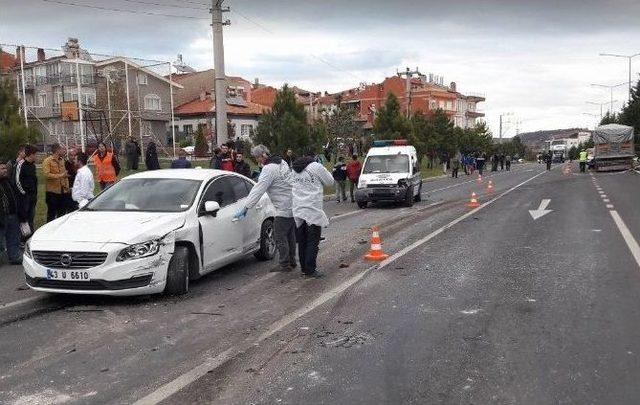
(474, 114)
(44, 112)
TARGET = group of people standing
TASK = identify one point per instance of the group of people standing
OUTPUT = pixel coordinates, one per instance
(226, 157)
(500, 160)
(297, 192)
(343, 172)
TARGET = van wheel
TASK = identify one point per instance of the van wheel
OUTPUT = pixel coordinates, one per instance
(408, 199)
(418, 196)
(362, 204)
(178, 272)
(267, 242)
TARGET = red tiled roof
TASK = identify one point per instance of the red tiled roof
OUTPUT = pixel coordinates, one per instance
(207, 106)
(265, 96)
(7, 61)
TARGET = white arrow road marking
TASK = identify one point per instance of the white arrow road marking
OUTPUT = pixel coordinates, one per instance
(541, 211)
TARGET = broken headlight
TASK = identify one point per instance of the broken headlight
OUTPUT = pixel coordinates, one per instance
(139, 250)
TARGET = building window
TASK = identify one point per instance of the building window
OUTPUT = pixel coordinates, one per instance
(246, 130)
(142, 78)
(152, 102)
(42, 99)
(188, 129)
(433, 105)
(57, 98)
(202, 127)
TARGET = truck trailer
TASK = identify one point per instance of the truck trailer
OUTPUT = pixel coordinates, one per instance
(613, 147)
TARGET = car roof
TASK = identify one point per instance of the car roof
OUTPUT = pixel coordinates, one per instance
(391, 150)
(186, 174)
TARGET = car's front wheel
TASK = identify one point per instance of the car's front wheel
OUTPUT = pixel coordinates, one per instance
(267, 241)
(178, 272)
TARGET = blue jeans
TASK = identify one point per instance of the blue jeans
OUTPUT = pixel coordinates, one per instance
(10, 238)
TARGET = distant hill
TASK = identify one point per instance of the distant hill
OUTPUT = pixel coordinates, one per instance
(537, 138)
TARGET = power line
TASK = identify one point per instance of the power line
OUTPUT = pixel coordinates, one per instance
(150, 3)
(122, 10)
(267, 30)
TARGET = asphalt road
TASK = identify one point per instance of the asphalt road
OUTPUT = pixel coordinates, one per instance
(474, 306)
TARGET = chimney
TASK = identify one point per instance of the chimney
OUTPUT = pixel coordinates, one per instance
(41, 55)
(256, 83)
(180, 57)
(452, 86)
(203, 95)
(20, 53)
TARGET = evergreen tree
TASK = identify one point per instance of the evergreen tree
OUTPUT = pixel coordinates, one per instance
(609, 118)
(341, 125)
(285, 126)
(630, 114)
(13, 132)
(201, 146)
(390, 123)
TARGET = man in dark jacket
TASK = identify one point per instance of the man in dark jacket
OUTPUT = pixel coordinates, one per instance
(340, 176)
(27, 186)
(181, 162)
(151, 157)
(9, 225)
(216, 160)
(241, 166)
(131, 151)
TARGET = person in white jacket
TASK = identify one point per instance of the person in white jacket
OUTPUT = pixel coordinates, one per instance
(308, 179)
(84, 184)
(275, 181)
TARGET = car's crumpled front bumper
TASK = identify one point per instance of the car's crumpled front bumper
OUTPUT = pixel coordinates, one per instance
(373, 193)
(131, 277)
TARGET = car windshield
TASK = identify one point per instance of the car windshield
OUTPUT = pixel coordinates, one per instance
(387, 164)
(156, 195)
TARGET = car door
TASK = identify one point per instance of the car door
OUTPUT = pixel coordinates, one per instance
(221, 236)
(253, 221)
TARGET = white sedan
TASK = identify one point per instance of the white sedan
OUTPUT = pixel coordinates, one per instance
(151, 232)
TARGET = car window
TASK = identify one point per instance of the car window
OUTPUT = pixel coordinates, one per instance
(239, 186)
(220, 190)
(249, 185)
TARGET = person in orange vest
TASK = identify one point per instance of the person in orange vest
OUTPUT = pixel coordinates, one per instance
(107, 167)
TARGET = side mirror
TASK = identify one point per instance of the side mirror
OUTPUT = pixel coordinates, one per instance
(211, 208)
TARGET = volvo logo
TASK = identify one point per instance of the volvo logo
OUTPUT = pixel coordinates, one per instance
(65, 260)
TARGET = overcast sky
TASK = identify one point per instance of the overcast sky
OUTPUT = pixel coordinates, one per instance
(534, 59)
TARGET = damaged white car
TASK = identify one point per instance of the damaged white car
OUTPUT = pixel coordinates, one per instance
(151, 232)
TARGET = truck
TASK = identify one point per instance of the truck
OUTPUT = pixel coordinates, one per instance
(558, 148)
(613, 147)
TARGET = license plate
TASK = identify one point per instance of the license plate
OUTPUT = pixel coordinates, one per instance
(68, 275)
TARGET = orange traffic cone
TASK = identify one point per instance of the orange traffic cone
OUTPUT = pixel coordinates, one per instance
(479, 179)
(473, 203)
(376, 253)
(490, 187)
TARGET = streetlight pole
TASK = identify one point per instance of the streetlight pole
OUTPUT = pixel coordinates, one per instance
(610, 87)
(220, 85)
(595, 116)
(599, 104)
(630, 57)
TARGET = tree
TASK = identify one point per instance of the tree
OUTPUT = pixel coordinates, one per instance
(421, 134)
(285, 126)
(342, 126)
(13, 132)
(201, 146)
(609, 118)
(630, 114)
(389, 122)
(444, 134)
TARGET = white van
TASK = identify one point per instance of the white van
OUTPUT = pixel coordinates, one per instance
(391, 172)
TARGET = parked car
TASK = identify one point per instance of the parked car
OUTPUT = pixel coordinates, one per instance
(189, 149)
(151, 232)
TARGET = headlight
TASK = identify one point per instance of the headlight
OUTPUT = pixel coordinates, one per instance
(139, 250)
(27, 250)
(362, 183)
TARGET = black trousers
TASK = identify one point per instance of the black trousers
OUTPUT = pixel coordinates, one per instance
(56, 205)
(308, 238)
(583, 167)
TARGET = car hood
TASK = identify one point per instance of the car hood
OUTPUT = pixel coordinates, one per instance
(110, 227)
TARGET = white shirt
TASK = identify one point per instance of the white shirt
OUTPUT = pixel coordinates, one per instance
(83, 185)
(308, 194)
(275, 181)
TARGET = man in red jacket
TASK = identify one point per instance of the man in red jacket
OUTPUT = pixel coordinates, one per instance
(353, 174)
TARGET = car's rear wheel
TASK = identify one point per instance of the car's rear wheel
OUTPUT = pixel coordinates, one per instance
(178, 272)
(267, 241)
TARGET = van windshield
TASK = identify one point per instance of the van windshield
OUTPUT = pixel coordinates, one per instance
(386, 164)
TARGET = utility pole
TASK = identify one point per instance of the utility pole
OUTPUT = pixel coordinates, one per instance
(408, 74)
(630, 57)
(220, 80)
(79, 89)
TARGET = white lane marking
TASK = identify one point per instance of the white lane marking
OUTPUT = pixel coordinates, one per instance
(187, 378)
(542, 209)
(603, 195)
(19, 302)
(606, 200)
(632, 244)
(346, 214)
(610, 206)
